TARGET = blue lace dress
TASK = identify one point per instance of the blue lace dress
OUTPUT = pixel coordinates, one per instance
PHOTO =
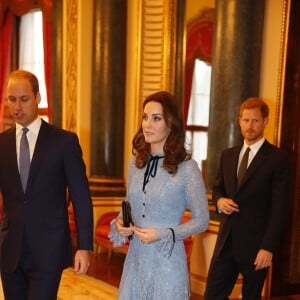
(159, 271)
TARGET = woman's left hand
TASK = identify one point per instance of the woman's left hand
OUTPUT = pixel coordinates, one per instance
(146, 235)
(123, 231)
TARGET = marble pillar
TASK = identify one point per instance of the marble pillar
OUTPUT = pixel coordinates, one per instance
(57, 52)
(236, 61)
(108, 95)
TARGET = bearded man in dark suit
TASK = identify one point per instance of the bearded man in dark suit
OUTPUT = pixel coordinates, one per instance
(253, 211)
(35, 241)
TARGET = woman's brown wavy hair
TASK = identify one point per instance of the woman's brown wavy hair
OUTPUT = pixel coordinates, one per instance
(174, 149)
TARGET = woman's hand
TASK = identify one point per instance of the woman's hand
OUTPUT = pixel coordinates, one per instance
(147, 235)
(123, 231)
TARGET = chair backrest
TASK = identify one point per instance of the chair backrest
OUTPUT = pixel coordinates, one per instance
(106, 218)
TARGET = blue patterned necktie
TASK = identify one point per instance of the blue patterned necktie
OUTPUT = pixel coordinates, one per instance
(24, 159)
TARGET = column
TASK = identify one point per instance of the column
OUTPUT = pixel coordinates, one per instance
(108, 97)
(57, 42)
(236, 61)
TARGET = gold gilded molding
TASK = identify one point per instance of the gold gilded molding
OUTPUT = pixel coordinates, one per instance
(71, 64)
(158, 44)
(281, 70)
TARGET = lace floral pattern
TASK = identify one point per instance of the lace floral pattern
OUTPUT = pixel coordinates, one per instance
(159, 270)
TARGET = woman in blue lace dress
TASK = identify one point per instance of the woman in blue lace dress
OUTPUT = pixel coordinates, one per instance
(163, 181)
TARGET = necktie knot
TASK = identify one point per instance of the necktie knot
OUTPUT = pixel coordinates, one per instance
(25, 130)
(243, 166)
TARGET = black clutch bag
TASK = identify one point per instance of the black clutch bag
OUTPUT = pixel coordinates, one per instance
(126, 211)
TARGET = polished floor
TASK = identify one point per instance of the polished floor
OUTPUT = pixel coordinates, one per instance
(101, 269)
(82, 287)
(110, 272)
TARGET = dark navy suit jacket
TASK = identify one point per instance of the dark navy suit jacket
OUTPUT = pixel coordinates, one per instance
(263, 199)
(42, 211)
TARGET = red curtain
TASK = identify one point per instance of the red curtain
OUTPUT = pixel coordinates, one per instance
(198, 45)
(19, 8)
(47, 34)
(5, 50)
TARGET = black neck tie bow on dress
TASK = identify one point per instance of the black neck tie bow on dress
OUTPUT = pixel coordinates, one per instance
(151, 168)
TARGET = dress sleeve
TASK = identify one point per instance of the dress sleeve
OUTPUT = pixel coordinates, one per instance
(196, 199)
(166, 243)
(114, 235)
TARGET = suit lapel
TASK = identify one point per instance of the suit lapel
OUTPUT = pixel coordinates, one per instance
(257, 162)
(231, 169)
(12, 153)
(40, 153)
(11, 157)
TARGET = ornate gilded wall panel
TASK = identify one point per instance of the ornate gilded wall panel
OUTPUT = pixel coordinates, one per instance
(157, 46)
(281, 70)
(70, 79)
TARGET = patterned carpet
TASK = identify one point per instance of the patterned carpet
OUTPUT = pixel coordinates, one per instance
(82, 288)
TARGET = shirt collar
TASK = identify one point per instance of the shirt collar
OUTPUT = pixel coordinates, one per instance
(34, 127)
(256, 146)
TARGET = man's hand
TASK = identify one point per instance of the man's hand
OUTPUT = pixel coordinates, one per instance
(227, 206)
(263, 259)
(81, 262)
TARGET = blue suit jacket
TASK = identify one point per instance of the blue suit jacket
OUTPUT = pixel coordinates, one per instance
(42, 211)
(263, 199)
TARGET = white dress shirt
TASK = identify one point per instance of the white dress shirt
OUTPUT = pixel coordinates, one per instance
(32, 135)
(253, 150)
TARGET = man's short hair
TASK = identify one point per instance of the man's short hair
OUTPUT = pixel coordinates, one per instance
(23, 74)
(253, 102)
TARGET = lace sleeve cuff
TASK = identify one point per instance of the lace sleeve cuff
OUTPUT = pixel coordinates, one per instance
(114, 235)
(166, 244)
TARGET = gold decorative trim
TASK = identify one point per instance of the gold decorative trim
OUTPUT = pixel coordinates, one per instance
(71, 64)
(101, 186)
(202, 23)
(158, 44)
(206, 14)
(281, 70)
(105, 201)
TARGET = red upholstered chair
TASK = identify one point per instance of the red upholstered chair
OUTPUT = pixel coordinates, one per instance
(101, 239)
(102, 230)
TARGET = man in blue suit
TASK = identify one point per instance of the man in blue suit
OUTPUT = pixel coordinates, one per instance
(253, 209)
(35, 241)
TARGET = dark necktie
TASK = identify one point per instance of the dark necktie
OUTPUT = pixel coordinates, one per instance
(24, 159)
(243, 166)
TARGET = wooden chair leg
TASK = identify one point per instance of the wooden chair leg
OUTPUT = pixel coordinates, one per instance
(96, 248)
(109, 252)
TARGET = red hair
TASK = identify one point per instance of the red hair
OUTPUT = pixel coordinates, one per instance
(255, 103)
